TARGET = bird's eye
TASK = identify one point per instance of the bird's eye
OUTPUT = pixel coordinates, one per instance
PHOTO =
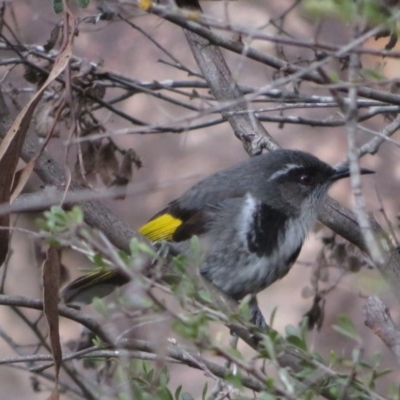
(305, 179)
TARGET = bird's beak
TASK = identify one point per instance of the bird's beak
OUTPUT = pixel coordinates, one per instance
(344, 172)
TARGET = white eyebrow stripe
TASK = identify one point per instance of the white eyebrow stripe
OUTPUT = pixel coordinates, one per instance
(284, 171)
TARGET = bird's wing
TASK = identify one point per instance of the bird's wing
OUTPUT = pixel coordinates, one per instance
(183, 218)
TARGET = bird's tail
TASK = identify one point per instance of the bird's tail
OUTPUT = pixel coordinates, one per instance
(98, 283)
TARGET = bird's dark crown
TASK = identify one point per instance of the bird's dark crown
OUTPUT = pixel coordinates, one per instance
(298, 167)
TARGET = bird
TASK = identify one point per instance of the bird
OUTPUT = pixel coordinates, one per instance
(251, 221)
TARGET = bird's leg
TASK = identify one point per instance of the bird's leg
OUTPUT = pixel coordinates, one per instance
(256, 316)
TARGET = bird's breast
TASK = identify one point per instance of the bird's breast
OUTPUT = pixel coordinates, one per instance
(269, 243)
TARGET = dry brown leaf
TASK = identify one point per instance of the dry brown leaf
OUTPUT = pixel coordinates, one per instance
(22, 179)
(96, 90)
(107, 164)
(51, 281)
(44, 119)
(54, 35)
(10, 147)
(21, 123)
(124, 175)
(31, 74)
(89, 157)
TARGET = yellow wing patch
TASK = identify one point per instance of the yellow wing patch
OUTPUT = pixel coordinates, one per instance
(160, 228)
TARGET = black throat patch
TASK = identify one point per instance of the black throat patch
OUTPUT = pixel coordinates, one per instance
(264, 230)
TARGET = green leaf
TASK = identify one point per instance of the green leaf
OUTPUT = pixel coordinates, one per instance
(196, 252)
(332, 357)
(164, 393)
(334, 77)
(188, 330)
(235, 380)
(272, 317)
(266, 396)
(244, 308)
(296, 341)
(146, 249)
(134, 246)
(355, 355)
(178, 392)
(346, 327)
(379, 374)
(291, 330)
(164, 377)
(100, 307)
(204, 392)
(97, 341)
(122, 396)
(205, 296)
(372, 74)
(126, 258)
(82, 3)
(270, 347)
(76, 215)
(186, 396)
(58, 6)
(99, 260)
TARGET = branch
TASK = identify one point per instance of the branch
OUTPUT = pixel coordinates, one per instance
(275, 63)
(377, 318)
(212, 64)
(67, 312)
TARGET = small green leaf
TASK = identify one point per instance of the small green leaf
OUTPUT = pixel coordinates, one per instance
(372, 74)
(204, 392)
(334, 77)
(235, 380)
(100, 307)
(124, 257)
(58, 6)
(134, 246)
(270, 347)
(205, 296)
(82, 3)
(164, 377)
(377, 359)
(332, 357)
(164, 393)
(244, 309)
(296, 341)
(187, 330)
(346, 327)
(122, 396)
(272, 317)
(379, 374)
(196, 252)
(355, 355)
(76, 214)
(97, 341)
(266, 396)
(186, 396)
(291, 330)
(178, 392)
(146, 249)
(99, 260)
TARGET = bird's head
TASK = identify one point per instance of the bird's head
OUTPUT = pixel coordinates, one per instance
(300, 179)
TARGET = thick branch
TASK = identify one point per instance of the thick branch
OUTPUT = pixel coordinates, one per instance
(377, 318)
(67, 312)
(215, 70)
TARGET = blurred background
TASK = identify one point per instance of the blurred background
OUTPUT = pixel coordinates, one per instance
(174, 162)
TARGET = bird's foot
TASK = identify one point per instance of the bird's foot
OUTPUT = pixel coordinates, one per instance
(256, 316)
